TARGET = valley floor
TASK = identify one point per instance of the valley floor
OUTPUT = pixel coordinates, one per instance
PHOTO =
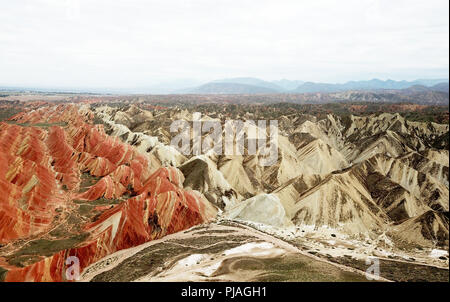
(232, 251)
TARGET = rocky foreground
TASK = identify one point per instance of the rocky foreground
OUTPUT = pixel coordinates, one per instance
(103, 184)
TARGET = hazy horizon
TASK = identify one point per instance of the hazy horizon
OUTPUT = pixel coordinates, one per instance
(170, 86)
(139, 44)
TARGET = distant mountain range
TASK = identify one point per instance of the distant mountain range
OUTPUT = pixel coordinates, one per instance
(258, 86)
(248, 85)
(374, 84)
(230, 88)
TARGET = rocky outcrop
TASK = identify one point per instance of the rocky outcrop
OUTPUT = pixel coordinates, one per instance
(429, 229)
(264, 208)
(202, 175)
(339, 201)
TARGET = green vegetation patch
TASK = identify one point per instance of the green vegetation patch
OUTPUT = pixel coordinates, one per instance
(2, 274)
(43, 247)
(299, 268)
(40, 125)
(6, 113)
(87, 180)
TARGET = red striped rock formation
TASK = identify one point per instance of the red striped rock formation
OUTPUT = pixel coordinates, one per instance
(139, 219)
(96, 166)
(29, 190)
(107, 187)
(89, 147)
(64, 158)
(53, 114)
(45, 163)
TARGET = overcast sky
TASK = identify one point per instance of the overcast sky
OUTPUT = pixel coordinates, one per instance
(103, 43)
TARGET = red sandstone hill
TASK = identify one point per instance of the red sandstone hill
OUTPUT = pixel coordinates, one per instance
(67, 185)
